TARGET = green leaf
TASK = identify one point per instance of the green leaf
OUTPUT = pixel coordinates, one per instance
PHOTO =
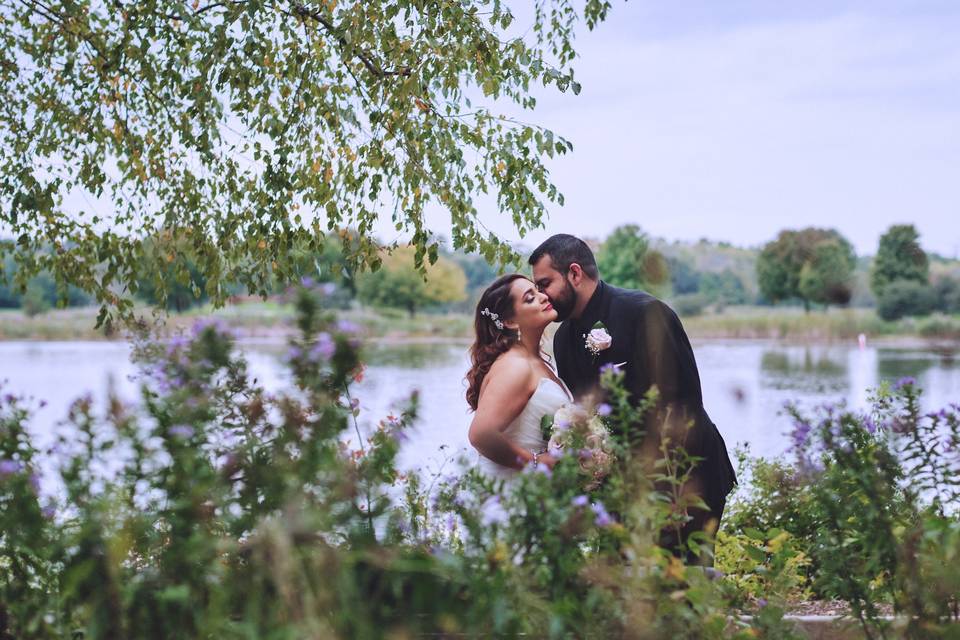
(755, 534)
(756, 554)
(546, 427)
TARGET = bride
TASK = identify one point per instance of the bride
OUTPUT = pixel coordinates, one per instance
(510, 385)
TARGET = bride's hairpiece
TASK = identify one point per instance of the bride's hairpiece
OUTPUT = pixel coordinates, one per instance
(493, 316)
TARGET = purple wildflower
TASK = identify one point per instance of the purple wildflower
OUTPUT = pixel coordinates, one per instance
(869, 424)
(10, 467)
(602, 518)
(580, 501)
(538, 468)
(493, 512)
(307, 282)
(800, 434)
(202, 324)
(294, 352)
(604, 410)
(900, 427)
(947, 444)
(176, 343)
(184, 431)
(49, 511)
(713, 574)
(762, 602)
(808, 466)
(611, 368)
(451, 523)
(324, 347)
(355, 404)
(345, 326)
(904, 382)
(328, 288)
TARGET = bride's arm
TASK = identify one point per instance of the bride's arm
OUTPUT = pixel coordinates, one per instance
(504, 395)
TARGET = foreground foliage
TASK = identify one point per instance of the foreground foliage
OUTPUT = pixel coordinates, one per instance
(873, 504)
(219, 510)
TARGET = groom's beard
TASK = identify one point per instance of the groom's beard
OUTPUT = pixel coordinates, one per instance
(565, 302)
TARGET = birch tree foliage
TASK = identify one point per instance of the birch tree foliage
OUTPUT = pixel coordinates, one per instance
(249, 127)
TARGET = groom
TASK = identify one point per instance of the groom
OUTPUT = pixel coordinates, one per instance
(648, 337)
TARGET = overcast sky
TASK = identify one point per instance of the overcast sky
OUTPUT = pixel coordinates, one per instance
(732, 120)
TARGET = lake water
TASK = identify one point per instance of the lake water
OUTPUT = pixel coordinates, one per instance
(745, 384)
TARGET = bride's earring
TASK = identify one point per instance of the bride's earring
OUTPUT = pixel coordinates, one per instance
(519, 336)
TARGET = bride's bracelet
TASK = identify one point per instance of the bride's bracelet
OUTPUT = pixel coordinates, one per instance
(536, 458)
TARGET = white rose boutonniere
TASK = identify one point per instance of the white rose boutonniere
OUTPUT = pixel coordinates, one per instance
(598, 339)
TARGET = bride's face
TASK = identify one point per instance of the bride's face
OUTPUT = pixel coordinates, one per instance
(531, 308)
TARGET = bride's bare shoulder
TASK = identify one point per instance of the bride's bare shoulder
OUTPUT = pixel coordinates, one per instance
(511, 369)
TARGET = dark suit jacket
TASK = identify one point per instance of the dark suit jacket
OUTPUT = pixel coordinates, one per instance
(648, 336)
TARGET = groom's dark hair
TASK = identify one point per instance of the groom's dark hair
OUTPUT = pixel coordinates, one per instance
(565, 250)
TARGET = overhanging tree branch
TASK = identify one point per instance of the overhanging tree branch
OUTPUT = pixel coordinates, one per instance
(365, 57)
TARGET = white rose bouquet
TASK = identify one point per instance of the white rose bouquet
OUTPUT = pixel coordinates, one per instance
(577, 432)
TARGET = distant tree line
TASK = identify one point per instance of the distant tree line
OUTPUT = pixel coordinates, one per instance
(902, 282)
(816, 266)
(36, 294)
(812, 265)
(809, 267)
(629, 258)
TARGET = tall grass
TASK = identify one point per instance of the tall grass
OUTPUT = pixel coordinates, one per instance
(794, 324)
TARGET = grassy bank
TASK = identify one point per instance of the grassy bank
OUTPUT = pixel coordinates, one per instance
(60, 324)
(816, 326)
(274, 320)
(255, 320)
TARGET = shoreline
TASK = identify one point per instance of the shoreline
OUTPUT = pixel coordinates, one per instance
(280, 339)
(270, 324)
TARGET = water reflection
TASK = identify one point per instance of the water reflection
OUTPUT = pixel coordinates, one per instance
(414, 355)
(745, 384)
(895, 364)
(807, 368)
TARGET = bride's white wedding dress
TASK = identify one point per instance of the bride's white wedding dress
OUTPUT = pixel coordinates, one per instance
(524, 431)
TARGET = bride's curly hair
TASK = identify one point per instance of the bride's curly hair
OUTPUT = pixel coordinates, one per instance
(491, 341)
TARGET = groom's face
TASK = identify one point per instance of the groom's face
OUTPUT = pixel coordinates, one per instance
(556, 286)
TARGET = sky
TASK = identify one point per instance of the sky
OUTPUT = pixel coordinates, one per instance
(733, 120)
